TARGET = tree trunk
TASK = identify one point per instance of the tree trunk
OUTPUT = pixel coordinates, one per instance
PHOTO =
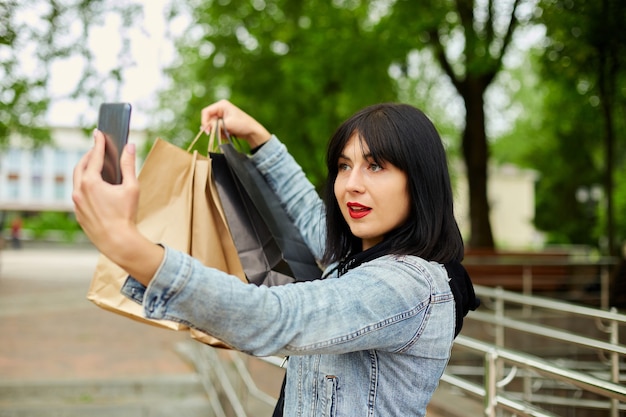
(476, 154)
(607, 75)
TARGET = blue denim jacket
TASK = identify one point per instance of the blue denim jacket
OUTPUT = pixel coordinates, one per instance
(374, 342)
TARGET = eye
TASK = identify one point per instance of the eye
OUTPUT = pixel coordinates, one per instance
(342, 166)
(374, 167)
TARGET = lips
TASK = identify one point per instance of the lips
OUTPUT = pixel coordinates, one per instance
(358, 211)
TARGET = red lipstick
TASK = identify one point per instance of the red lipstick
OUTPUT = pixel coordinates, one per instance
(358, 211)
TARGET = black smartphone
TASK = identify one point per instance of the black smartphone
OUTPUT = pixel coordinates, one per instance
(114, 123)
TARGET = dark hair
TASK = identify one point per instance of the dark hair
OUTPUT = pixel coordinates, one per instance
(403, 136)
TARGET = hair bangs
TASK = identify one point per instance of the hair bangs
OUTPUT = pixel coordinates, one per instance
(403, 136)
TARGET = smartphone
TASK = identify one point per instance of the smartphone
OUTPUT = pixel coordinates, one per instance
(114, 123)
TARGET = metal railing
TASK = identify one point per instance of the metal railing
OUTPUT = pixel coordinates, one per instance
(506, 311)
(228, 381)
(491, 391)
(608, 322)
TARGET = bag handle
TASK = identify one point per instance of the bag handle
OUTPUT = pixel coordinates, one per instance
(215, 132)
(193, 142)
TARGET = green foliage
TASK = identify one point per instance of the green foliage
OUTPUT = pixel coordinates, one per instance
(41, 225)
(562, 131)
(299, 67)
(586, 59)
(302, 67)
(34, 36)
(562, 154)
(23, 102)
(469, 40)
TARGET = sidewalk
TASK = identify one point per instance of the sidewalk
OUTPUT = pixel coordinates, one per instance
(49, 330)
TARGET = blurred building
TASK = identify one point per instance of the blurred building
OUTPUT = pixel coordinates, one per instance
(41, 180)
(512, 201)
(33, 180)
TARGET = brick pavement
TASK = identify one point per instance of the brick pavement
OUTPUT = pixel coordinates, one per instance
(49, 330)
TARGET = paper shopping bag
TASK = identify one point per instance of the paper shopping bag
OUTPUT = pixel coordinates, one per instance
(209, 224)
(259, 253)
(271, 249)
(285, 249)
(174, 209)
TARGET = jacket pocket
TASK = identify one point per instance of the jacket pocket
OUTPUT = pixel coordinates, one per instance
(329, 399)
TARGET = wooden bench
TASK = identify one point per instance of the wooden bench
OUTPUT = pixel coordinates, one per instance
(546, 271)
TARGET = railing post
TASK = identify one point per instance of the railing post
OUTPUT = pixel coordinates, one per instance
(498, 370)
(527, 286)
(614, 333)
(490, 376)
(604, 286)
(499, 312)
(527, 386)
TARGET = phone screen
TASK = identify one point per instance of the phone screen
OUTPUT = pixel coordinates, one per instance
(114, 123)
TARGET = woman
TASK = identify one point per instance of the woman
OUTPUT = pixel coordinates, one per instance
(373, 342)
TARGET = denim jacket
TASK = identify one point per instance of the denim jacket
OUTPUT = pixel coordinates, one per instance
(373, 342)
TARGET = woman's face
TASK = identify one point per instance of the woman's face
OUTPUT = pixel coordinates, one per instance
(373, 199)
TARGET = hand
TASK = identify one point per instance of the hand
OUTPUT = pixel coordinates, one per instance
(107, 213)
(100, 207)
(237, 122)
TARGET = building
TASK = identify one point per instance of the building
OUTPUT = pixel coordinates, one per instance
(511, 194)
(41, 180)
(33, 180)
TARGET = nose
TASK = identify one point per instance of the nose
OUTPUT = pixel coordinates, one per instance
(354, 182)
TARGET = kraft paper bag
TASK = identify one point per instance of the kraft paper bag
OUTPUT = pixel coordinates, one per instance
(209, 220)
(176, 208)
(271, 249)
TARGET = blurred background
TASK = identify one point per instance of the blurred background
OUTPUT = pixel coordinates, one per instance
(529, 97)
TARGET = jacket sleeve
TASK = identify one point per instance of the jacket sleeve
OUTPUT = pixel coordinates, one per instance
(381, 305)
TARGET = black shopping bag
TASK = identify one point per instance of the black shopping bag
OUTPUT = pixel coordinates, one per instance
(260, 255)
(275, 222)
(269, 246)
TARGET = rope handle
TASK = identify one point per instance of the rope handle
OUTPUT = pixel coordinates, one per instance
(214, 132)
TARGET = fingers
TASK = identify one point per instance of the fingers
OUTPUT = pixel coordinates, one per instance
(212, 113)
(127, 164)
(88, 170)
(80, 167)
(96, 161)
(91, 162)
(83, 171)
(236, 122)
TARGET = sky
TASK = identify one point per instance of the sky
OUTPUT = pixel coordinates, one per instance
(151, 52)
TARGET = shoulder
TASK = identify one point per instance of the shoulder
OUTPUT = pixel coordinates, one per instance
(408, 264)
(400, 268)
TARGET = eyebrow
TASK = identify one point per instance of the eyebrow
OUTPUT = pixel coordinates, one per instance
(366, 156)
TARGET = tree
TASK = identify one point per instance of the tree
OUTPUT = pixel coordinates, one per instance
(36, 35)
(563, 151)
(568, 131)
(300, 67)
(585, 53)
(470, 40)
(324, 60)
